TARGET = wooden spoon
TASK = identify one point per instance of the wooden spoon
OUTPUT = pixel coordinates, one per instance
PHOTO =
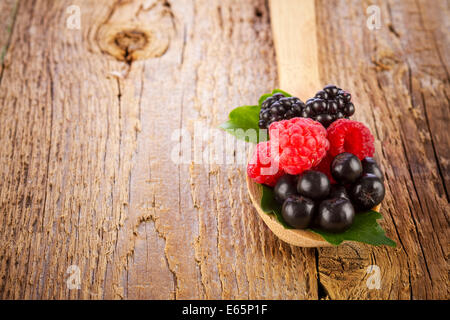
(294, 34)
(296, 237)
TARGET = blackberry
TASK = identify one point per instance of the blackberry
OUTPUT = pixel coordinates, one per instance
(279, 107)
(330, 104)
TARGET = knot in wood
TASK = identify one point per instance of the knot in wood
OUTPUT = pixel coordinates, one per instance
(131, 42)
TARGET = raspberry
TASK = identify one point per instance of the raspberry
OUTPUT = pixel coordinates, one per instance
(350, 136)
(302, 143)
(263, 158)
(325, 167)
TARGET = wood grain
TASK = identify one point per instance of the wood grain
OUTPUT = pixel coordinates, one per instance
(86, 176)
(7, 19)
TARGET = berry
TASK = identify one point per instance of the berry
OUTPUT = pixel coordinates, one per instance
(313, 184)
(346, 168)
(324, 119)
(338, 191)
(263, 166)
(302, 143)
(335, 215)
(286, 186)
(325, 167)
(298, 211)
(330, 104)
(278, 107)
(350, 136)
(370, 166)
(367, 192)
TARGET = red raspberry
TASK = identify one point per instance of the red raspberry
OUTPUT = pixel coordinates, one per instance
(325, 167)
(263, 166)
(350, 136)
(302, 143)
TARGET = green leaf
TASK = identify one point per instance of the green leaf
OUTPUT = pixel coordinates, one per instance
(270, 206)
(365, 228)
(244, 118)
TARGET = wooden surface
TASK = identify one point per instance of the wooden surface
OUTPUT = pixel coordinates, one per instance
(86, 177)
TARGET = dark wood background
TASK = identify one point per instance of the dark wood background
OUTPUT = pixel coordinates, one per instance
(85, 137)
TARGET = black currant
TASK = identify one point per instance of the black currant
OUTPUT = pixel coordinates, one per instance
(339, 191)
(286, 186)
(370, 166)
(346, 168)
(298, 211)
(313, 184)
(367, 192)
(335, 215)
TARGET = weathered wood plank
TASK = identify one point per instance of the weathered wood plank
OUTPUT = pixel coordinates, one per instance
(7, 19)
(86, 175)
(398, 75)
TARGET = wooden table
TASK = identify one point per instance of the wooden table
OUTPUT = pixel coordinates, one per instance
(87, 118)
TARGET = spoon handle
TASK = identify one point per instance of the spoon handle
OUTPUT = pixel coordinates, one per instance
(295, 39)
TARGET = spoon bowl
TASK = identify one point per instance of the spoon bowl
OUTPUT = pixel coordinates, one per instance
(295, 237)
